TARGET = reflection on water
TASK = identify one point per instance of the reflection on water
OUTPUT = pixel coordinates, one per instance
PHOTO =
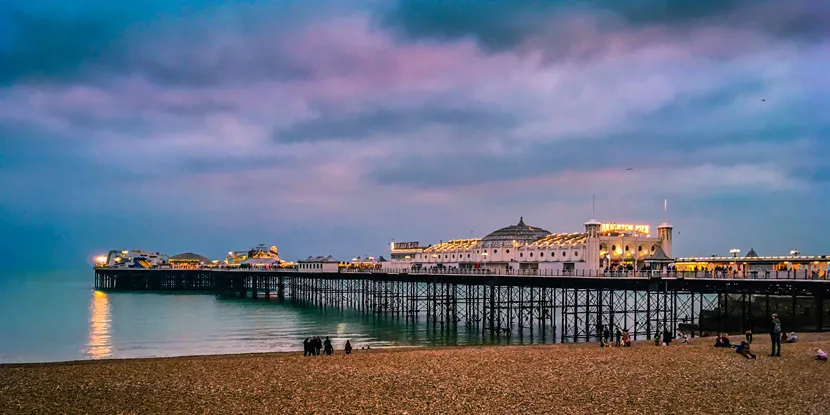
(99, 344)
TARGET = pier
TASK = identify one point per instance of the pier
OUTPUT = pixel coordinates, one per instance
(557, 309)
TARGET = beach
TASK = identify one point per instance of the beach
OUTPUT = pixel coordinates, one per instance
(574, 379)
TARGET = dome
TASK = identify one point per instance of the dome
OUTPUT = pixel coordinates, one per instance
(520, 233)
(190, 257)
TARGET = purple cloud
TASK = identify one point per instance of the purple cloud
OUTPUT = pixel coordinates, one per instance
(346, 121)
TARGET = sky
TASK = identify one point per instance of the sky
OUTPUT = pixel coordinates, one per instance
(335, 127)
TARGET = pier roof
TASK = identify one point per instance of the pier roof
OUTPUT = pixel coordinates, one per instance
(509, 235)
(190, 257)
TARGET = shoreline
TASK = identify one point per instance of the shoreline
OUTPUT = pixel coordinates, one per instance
(810, 337)
(500, 379)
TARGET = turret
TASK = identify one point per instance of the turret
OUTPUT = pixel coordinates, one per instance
(592, 229)
(664, 232)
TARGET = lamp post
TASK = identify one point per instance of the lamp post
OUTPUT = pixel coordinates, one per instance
(734, 252)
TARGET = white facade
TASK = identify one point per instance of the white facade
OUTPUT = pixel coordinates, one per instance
(521, 248)
(319, 264)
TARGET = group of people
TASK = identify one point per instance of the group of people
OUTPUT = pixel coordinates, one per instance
(313, 345)
(777, 335)
(622, 337)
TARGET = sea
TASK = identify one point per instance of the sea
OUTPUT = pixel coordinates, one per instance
(58, 316)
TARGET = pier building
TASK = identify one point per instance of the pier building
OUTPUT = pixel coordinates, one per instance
(522, 248)
(319, 264)
(753, 265)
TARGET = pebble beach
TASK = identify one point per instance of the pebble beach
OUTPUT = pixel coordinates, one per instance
(573, 379)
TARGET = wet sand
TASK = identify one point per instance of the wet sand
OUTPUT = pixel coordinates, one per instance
(572, 379)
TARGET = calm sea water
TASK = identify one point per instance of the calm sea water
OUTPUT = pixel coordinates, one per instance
(59, 317)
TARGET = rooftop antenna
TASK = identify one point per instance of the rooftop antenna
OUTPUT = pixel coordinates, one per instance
(593, 206)
(666, 210)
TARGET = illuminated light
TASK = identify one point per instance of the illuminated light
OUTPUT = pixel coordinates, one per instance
(620, 227)
(100, 259)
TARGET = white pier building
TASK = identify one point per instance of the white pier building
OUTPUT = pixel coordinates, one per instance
(528, 249)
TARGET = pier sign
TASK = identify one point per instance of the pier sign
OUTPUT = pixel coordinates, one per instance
(405, 245)
(623, 227)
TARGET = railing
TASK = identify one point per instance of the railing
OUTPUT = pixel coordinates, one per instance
(645, 274)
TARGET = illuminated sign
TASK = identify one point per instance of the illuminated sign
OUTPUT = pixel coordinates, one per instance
(405, 245)
(621, 227)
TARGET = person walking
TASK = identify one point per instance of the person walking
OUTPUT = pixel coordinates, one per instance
(775, 336)
(348, 347)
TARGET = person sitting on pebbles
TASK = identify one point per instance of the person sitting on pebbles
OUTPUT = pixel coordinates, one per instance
(793, 338)
(744, 350)
(821, 355)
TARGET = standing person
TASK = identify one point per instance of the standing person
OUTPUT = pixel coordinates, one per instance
(606, 334)
(619, 336)
(749, 336)
(666, 337)
(318, 344)
(306, 347)
(775, 336)
(327, 347)
(348, 347)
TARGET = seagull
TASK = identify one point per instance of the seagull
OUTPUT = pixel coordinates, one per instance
(629, 169)
(763, 100)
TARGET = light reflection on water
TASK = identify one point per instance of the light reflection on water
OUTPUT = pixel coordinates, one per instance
(99, 326)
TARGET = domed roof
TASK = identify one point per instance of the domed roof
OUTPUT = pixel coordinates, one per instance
(520, 233)
(190, 257)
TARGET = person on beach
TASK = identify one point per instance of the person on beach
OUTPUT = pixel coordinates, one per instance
(775, 336)
(749, 336)
(348, 347)
(327, 346)
(626, 339)
(606, 334)
(619, 336)
(307, 347)
(793, 338)
(744, 350)
(318, 344)
(666, 337)
(821, 355)
(657, 340)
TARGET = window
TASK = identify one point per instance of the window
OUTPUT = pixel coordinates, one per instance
(640, 248)
(521, 254)
(626, 248)
(564, 253)
(576, 253)
(541, 254)
(507, 250)
(531, 254)
(453, 255)
(468, 255)
(495, 251)
(613, 247)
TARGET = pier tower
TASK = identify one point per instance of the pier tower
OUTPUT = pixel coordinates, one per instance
(664, 232)
(592, 231)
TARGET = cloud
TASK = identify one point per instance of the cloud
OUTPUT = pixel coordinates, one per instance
(504, 25)
(332, 132)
